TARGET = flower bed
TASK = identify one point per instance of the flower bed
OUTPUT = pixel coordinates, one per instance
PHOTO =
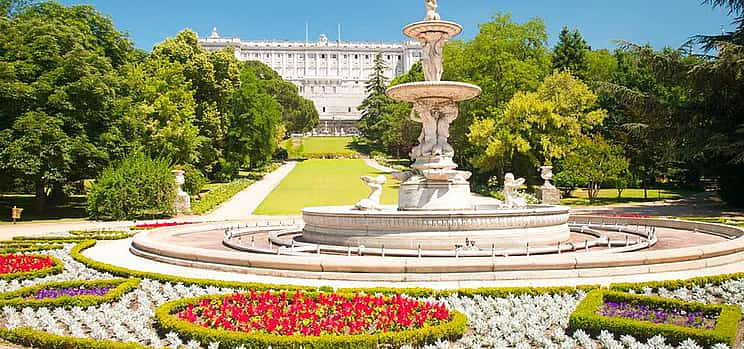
(68, 293)
(26, 266)
(693, 319)
(310, 320)
(591, 316)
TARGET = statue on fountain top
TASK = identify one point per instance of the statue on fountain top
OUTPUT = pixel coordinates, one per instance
(431, 11)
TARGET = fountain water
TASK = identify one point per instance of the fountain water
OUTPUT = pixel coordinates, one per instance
(434, 201)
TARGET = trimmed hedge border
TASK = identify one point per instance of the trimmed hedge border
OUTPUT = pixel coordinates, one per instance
(38, 339)
(74, 238)
(36, 274)
(25, 247)
(76, 254)
(715, 280)
(18, 299)
(167, 322)
(585, 317)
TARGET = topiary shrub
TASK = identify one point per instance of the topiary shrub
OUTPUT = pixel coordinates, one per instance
(195, 179)
(136, 187)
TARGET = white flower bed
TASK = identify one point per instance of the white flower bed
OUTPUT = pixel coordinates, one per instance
(522, 322)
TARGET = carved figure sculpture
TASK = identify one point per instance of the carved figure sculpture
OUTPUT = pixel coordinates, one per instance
(447, 114)
(431, 10)
(373, 201)
(511, 200)
(432, 45)
(422, 112)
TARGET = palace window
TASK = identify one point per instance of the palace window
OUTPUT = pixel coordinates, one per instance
(356, 56)
(349, 109)
(323, 56)
(334, 56)
(324, 109)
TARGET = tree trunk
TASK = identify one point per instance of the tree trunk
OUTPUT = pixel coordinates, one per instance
(40, 199)
(645, 191)
(619, 193)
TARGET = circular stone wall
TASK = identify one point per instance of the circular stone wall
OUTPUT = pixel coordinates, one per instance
(440, 230)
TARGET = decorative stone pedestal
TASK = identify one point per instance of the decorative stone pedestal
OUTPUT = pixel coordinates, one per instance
(549, 195)
(419, 193)
(183, 200)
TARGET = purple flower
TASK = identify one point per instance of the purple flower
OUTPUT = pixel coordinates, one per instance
(72, 292)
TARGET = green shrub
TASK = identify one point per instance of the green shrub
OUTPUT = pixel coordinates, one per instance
(27, 246)
(585, 317)
(195, 179)
(22, 298)
(38, 339)
(216, 197)
(136, 187)
(36, 274)
(165, 320)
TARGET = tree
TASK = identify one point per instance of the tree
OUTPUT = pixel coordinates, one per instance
(601, 65)
(37, 149)
(594, 162)
(503, 59)
(255, 122)
(299, 114)
(60, 65)
(736, 37)
(542, 126)
(571, 53)
(8, 8)
(373, 107)
(213, 77)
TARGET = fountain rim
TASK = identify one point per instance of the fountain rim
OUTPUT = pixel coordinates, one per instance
(449, 90)
(414, 30)
(478, 211)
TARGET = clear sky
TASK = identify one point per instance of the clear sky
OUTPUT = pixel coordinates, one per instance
(658, 22)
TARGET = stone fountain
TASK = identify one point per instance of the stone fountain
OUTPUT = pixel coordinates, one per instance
(434, 209)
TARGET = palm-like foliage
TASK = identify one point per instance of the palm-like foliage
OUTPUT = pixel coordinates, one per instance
(735, 8)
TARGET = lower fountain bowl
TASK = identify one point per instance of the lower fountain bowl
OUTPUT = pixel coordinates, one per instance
(485, 226)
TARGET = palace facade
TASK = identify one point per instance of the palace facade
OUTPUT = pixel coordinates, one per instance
(331, 74)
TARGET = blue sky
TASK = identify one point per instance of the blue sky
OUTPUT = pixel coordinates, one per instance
(658, 22)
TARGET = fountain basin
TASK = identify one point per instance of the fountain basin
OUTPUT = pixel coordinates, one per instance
(415, 30)
(445, 90)
(437, 230)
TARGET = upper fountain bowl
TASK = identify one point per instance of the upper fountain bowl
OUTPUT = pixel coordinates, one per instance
(415, 30)
(449, 90)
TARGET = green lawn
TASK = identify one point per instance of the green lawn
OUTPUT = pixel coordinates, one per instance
(323, 183)
(609, 196)
(340, 146)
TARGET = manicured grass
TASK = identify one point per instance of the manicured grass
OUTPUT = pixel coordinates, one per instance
(323, 147)
(609, 196)
(323, 183)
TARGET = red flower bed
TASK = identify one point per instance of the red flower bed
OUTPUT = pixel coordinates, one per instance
(327, 314)
(19, 263)
(161, 225)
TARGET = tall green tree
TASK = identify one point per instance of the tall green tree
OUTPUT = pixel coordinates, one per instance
(213, 78)
(539, 127)
(60, 64)
(373, 107)
(299, 114)
(255, 122)
(503, 59)
(594, 162)
(571, 53)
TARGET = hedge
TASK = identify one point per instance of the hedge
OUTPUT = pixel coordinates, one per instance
(124, 272)
(715, 280)
(496, 292)
(585, 317)
(25, 247)
(36, 274)
(165, 320)
(38, 339)
(215, 198)
(20, 298)
(75, 238)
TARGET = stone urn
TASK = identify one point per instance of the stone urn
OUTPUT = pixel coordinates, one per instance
(183, 200)
(546, 172)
